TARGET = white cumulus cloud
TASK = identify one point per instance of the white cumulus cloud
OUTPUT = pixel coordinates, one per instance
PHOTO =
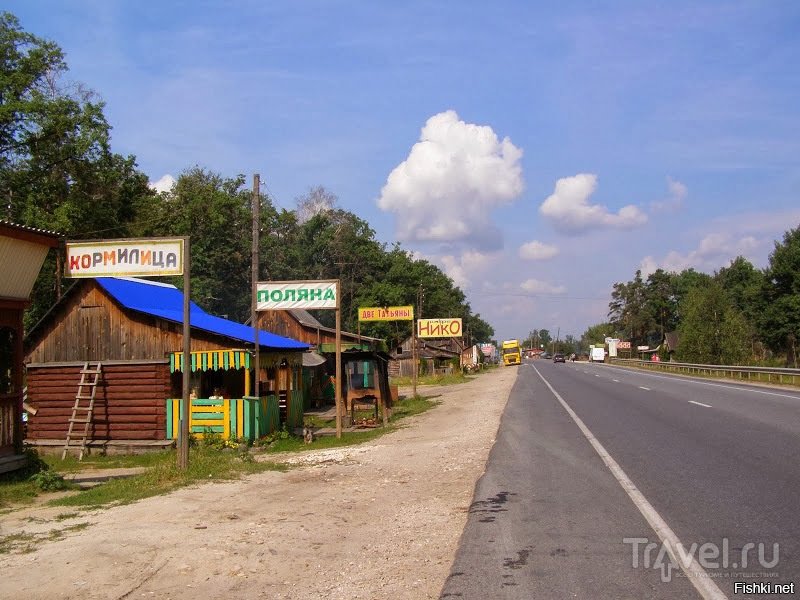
(451, 180)
(535, 286)
(536, 250)
(569, 209)
(164, 184)
(464, 268)
(714, 251)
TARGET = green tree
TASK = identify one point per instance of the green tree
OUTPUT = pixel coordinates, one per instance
(628, 310)
(597, 334)
(57, 171)
(214, 211)
(713, 330)
(780, 320)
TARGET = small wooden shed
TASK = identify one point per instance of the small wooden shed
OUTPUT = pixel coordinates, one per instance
(436, 356)
(134, 328)
(364, 361)
(22, 253)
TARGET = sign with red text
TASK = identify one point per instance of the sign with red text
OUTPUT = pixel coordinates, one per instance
(439, 328)
(152, 257)
(387, 313)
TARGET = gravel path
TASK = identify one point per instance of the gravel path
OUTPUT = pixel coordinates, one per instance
(378, 520)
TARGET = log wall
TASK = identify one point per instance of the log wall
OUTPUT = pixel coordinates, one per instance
(129, 403)
(92, 326)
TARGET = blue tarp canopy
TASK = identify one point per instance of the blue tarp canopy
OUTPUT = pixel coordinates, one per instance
(166, 302)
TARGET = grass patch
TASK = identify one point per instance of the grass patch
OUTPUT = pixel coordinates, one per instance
(205, 464)
(433, 379)
(22, 542)
(65, 516)
(318, 422)
(71, 464)
(401, 409)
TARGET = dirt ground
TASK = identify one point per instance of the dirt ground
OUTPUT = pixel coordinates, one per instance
(379, 520)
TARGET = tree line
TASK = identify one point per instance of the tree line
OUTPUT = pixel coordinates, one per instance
(59, 173)
(738, 315)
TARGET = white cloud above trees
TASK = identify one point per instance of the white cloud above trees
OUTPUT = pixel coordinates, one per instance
(164, 184)
(452, 179)
(536, 250)
(570, 212)
(715, 250)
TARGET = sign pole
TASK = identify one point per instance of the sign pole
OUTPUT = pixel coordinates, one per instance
(338, 387)
(186, 412)
(254, 315)
(414, 355)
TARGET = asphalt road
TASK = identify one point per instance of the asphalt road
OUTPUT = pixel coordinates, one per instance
(713, 466)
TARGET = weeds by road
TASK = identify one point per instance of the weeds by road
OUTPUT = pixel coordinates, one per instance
(208, 461)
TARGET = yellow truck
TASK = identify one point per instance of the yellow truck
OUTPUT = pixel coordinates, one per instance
(511, 352)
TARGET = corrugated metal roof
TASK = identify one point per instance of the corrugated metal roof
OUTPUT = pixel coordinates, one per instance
(22, 261)
(166, 302)
(19, 227)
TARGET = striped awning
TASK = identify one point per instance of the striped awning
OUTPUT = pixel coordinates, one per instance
(211, 360)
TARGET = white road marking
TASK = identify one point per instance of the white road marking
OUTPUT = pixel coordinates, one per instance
(615, 380)
(699, 404)
(641, 387)
(694, 572)
(730, 386)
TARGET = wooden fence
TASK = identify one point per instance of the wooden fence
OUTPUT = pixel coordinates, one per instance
(235, 418)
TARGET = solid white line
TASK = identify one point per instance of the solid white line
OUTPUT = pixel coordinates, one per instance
(743, 387)
(694, 572)
(641, 387)
(699, 404)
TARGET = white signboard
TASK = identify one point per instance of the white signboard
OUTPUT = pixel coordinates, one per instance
(124, 258)
(287, 295)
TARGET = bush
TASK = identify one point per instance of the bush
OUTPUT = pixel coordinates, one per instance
(49, 481)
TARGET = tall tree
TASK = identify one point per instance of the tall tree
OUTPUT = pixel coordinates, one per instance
(214, 212)
(780, 321)
(57, 170)
(713, 330)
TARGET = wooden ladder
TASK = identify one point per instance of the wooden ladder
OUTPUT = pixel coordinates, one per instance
(81, 412)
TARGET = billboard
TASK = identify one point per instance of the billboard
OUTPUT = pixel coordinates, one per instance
(439, 328)
(387, 313)
(149, 257)
(287, 295)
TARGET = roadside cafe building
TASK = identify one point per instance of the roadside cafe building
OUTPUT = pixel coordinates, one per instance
(22, 253)
(130, 332)
(365, 370)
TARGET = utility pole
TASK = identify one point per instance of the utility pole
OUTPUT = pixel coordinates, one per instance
(254, 263)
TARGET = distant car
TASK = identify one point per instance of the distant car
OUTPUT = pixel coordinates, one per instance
(558, 358)
(545, 355)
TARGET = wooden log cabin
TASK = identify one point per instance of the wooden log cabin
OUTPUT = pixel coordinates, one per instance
(22, 253)
(134, 328)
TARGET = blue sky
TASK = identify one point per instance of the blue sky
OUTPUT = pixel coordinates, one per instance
(537, 151)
